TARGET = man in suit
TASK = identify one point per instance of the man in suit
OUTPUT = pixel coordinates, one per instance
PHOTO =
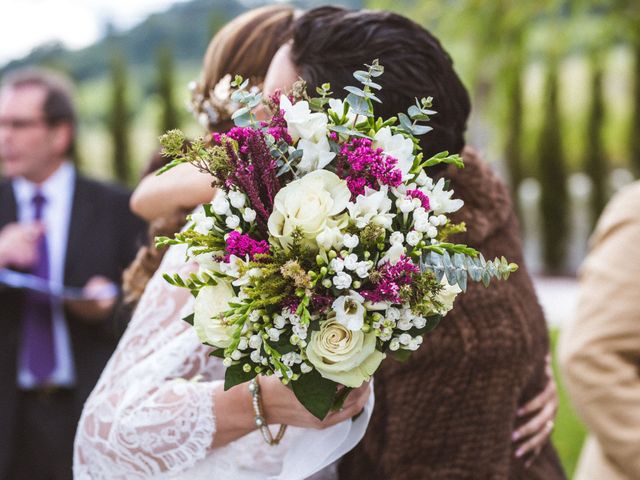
(600, 347)
(66, 229)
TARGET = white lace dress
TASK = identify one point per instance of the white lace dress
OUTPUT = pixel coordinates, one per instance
(151, 414)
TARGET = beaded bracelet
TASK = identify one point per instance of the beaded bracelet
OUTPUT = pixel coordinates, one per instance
(261, 423)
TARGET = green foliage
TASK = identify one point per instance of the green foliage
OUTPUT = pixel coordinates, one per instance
(169, 118)
(514, 121)
(462, 265)
(553, 178)
(119, 121)
(235, 375)
(422, 294)
(316, 393)
(213, 160)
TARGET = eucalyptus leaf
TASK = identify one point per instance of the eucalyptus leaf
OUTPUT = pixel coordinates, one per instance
(356, 91)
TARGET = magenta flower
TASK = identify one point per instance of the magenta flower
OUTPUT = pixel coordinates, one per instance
(241, 245)
(391, 279)
(424, 200)
(362, 166)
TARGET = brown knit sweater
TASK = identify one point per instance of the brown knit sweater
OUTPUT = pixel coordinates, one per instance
(449, 412)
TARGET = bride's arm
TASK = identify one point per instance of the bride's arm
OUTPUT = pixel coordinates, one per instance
(181, 188)
(144, 417)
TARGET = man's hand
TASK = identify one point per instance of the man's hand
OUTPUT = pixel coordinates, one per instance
(19, 245)
(100, 299)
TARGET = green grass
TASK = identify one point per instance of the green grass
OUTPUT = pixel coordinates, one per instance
(569, 432)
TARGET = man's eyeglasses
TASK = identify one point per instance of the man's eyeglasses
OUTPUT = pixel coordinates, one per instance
(21, 123)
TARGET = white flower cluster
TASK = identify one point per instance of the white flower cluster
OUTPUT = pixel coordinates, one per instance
(232, 206)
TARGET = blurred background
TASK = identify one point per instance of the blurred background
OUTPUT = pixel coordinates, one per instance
(555, 88)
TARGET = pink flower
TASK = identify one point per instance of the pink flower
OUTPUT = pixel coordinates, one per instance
(241, 245)
(391, 279)
(421, 196)
(362, 166)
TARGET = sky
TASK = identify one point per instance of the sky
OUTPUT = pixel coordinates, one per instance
(25, 24)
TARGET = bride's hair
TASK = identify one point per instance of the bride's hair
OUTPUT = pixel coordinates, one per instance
(329, 43)
(244, 46)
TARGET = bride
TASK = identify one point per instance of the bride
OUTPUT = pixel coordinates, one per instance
(160, 409)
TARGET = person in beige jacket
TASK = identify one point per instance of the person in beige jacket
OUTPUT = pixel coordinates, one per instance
(600, 349)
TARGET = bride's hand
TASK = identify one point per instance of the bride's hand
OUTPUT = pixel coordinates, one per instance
(281, 406)
(533, 435)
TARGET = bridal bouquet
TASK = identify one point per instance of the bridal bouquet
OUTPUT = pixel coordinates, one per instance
(325, 248)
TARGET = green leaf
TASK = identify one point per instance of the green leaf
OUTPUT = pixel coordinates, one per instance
(315, 393)
(235, 375)
(218, 353)
(420, 129)
(359, 105)
(402, 355)
(189, 319)
(356, 91)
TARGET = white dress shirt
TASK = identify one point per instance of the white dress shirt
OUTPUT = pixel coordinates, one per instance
(58, 192)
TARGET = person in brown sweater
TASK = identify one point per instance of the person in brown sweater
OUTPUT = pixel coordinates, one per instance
(449, 411)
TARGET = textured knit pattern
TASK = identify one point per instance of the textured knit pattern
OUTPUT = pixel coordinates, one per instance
(449, 412)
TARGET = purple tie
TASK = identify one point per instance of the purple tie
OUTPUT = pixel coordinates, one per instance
(38, 347)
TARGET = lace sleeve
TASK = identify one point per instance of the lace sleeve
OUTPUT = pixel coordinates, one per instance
(152, 411)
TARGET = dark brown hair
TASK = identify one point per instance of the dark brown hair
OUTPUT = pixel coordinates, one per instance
(58, 107)
(330, 43)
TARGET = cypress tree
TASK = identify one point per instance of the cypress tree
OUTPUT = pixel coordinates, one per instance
(595, 161)
(635, 111)
(119, 119)
(553, 178)
(169, 119)
(513, 145)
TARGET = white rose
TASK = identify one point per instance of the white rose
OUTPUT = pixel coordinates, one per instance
(372, 207)
(342, 355)
(349, 310)
(249, 215)
(301, 123)
(220, 204)
(237, 199)
(342, 281)
(210, 303)
(308, 204)
(397, 146)
(315, 155)
(331, 235)
(447, 296)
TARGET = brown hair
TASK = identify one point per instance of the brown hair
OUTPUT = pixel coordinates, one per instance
(330, 43)
(58, 105)
(245, 46)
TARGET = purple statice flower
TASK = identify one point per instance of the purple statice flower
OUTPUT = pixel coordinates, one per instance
(241, 245)
(362, 166)
(291, 304)
(277, 125)
(390, 279)
(424, 200)
(254, 170)
(321, 303)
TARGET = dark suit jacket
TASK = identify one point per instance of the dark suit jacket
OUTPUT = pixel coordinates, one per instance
(103, 239)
